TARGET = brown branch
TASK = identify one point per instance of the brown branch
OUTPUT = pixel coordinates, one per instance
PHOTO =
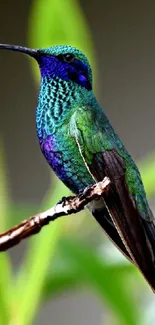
(69, 205)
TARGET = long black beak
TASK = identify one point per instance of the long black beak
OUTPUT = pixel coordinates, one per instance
(32, 52)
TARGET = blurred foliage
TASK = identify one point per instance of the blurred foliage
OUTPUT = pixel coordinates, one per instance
(61, 257)
(147, 169)
(56, 22)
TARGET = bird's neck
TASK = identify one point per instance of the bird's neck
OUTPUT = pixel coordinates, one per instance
(57, 100)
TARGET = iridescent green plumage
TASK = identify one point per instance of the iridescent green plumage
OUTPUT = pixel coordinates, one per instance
(101, 138)
(81, 146)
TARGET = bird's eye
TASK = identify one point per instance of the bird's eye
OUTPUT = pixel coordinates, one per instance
(68, 57)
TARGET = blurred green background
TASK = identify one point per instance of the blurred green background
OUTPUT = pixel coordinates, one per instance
(70, 273)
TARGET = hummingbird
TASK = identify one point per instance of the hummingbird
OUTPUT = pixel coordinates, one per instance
(80, 144)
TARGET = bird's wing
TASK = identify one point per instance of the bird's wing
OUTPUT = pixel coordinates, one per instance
(98, 146)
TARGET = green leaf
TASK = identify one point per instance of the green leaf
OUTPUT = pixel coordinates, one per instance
(66, 275)
(57, 22)
(60, 282)
(108, 282)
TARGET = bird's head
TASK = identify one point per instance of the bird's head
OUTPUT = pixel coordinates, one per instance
(63, 61)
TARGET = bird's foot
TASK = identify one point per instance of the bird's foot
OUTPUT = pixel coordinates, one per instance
(65, 199)
(83, 192)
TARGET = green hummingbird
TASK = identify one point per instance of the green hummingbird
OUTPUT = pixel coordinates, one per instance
(82, 148)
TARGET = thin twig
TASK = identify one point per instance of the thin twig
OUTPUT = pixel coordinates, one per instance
(69, 205)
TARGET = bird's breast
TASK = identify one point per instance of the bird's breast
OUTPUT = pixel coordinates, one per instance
(62, 154)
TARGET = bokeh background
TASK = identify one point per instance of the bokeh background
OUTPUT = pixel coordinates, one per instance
(70, 273)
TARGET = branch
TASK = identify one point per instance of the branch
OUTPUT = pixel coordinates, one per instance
(66, 206)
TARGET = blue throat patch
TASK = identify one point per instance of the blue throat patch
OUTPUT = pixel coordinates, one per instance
(75, 71)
